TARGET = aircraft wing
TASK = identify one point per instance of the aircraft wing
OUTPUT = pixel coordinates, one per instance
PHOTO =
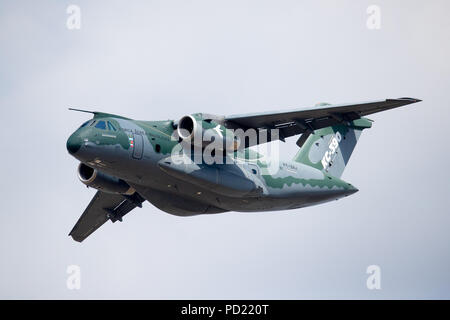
(298, 121)
(104, 207)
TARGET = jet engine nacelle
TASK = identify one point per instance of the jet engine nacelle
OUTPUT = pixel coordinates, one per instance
(202, 133)
(102, 181)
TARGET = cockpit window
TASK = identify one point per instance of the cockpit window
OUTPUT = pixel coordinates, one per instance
(92, 124)
(101, 125)
(111, 127)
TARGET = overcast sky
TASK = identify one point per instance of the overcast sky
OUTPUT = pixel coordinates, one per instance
(156, 60)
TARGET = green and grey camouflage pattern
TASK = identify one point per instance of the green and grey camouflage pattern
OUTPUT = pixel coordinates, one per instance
(205, 164)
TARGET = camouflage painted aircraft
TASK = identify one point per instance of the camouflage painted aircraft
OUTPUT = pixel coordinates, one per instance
(130, 161)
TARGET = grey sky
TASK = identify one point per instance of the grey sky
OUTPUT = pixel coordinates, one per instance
(165, 59)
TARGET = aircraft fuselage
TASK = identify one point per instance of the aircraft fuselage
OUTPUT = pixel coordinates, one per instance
(140, 153)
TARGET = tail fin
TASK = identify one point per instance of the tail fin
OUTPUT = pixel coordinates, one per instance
(330, 148)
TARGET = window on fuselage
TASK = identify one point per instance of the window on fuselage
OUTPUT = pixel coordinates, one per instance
(111, 127)
(101, 125)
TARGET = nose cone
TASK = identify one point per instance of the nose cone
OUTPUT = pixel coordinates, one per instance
(73, 143)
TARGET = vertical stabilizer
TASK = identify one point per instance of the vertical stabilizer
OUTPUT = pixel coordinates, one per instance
(330, 148)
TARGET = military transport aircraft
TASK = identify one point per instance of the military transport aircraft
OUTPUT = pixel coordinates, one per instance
(172, 165)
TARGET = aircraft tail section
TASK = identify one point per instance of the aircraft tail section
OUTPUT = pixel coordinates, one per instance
(330, 148)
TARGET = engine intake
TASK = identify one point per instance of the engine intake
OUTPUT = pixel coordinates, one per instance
(188, 128)
(102, 181)
(201, 133)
